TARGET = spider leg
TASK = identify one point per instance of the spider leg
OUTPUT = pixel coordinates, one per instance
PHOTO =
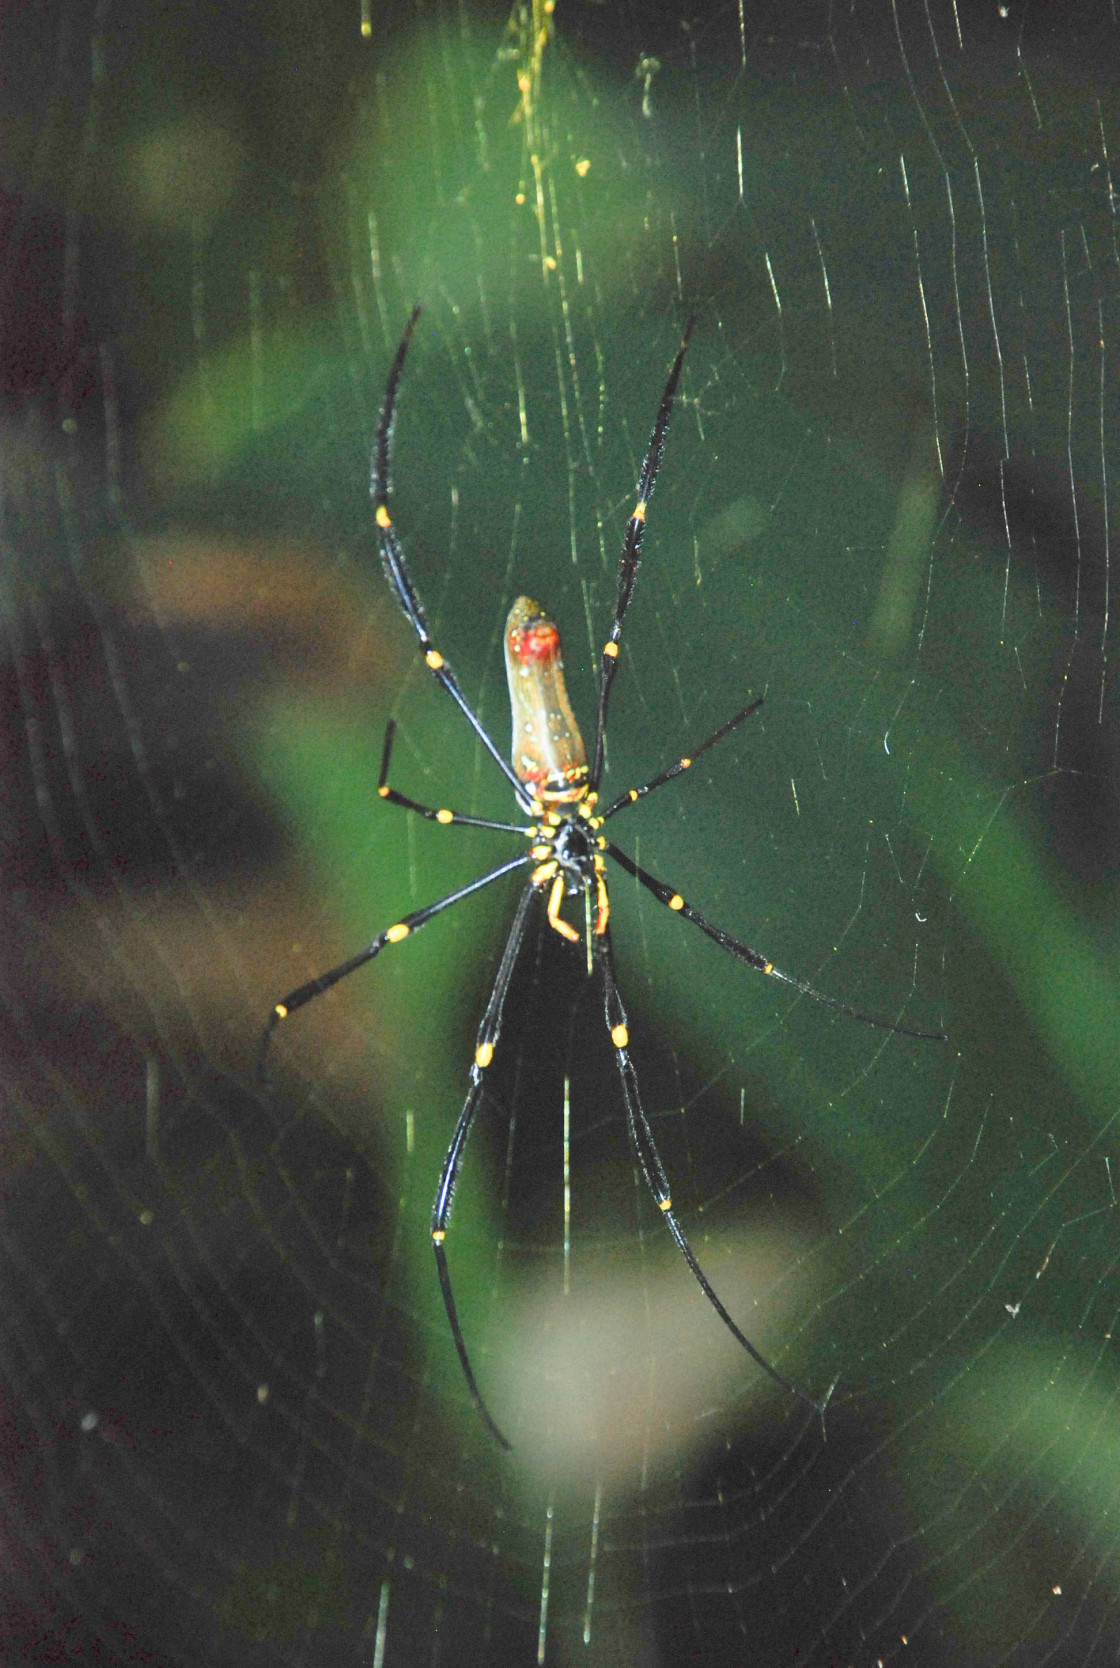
(485, 1043)
(632, 551)
(396, 569)
(401, 929)
(441, 816)
(753, 958)
(641, 1136)
(632, 795)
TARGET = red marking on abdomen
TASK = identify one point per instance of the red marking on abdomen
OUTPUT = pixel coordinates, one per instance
(537, 642)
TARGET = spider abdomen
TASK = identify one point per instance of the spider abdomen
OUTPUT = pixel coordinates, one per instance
(547, 751)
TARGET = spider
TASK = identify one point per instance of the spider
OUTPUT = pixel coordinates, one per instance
(558, 794)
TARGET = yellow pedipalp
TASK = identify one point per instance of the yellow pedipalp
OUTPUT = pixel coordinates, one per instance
(555, 899)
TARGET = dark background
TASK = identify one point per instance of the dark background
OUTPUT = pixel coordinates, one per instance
(234, 1424)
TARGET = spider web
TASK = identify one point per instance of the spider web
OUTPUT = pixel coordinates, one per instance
(235, 1427)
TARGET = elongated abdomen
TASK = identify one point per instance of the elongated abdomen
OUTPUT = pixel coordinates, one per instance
(547, 752)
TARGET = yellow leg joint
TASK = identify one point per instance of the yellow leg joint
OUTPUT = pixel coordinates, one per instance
(381, 516)
(437, 1236)
(665, 1204)
(434, 659)
(620, 1036)
(280, 1011)
(395, 934)
(676, 901)
(483, 1054)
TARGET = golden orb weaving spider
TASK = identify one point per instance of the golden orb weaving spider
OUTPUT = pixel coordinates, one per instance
(568, 851)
